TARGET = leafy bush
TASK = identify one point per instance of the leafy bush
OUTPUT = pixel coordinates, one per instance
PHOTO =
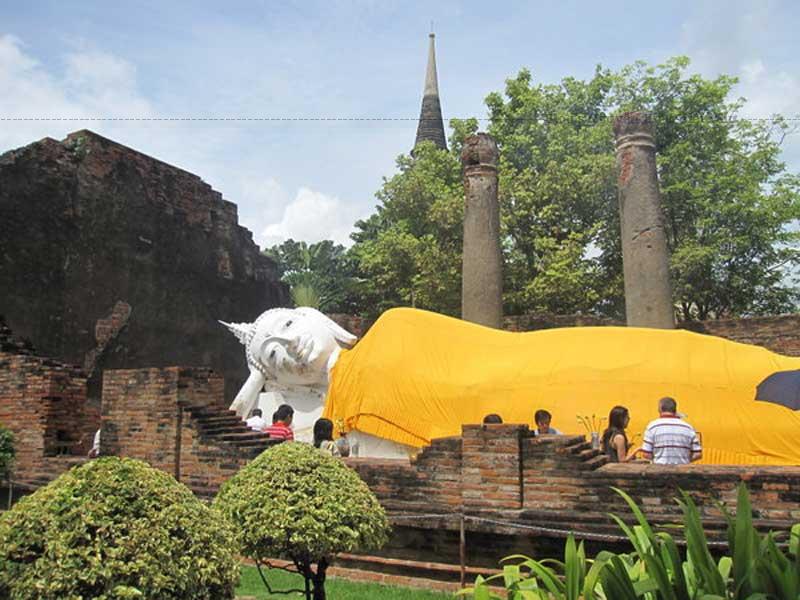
(7, 452)
(297, 503)
(758, 568)
(115, 528)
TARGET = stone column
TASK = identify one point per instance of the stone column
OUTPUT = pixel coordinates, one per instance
(645, 259)
(482, 270)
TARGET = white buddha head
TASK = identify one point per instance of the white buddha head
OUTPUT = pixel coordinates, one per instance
(292, 345)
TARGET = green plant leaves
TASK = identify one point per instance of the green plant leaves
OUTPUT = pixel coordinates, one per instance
(7, 452)
(296, 502)
(759, 569)
(115, 528)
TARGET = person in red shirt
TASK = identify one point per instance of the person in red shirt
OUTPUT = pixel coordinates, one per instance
(281, 424)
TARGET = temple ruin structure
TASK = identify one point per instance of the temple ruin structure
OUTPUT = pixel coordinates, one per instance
(645, 258)
(431, 127)
(482, 261)
(110, 258)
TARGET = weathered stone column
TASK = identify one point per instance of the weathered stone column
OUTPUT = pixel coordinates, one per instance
(482, 267)
(645, 259)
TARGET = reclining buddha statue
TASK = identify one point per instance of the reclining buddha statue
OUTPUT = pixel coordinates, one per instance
(417, 375)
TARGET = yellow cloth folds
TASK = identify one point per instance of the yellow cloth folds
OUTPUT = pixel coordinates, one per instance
(418, 375)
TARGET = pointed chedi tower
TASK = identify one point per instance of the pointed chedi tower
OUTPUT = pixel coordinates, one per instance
(431, 126)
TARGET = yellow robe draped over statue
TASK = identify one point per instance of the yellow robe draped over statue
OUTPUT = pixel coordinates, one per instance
(418, 375)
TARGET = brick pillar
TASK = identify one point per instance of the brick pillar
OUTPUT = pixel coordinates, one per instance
(491, 475)
(645, 259)
(140, 411)
(482, 270)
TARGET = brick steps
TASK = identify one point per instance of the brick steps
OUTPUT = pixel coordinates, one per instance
(223, 427)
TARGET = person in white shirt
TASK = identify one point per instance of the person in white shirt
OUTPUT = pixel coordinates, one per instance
(95, 451)
(256, 422)
(669, 440)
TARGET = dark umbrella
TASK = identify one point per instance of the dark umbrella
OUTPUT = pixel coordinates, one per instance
(781, 388)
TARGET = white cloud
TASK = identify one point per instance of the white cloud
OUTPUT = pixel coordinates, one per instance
(92, 84)
(737, 41)
(313, 216)
(104, 84)
(768, 91)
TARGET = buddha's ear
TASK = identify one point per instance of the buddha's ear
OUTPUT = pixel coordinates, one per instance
(240, 330)
(340, 334)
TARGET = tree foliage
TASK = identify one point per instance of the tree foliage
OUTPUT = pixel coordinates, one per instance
(111, 529)
(728, 199)
(298, 503)
(7, 452)
(320, 275)
(409, 250)
(556, 184)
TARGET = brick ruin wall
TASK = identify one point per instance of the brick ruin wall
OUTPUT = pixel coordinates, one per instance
(149, 414)
(499, 475)
(112, 259)
(44, 404)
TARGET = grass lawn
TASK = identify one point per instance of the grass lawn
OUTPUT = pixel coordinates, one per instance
(337, 589)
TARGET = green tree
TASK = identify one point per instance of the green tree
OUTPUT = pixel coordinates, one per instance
(296, 502)
(728, 200)
(320, 275)
(7, 456)
(556, 182)
(727, 197)
(7, 452)
(115, 528)
(409, 251)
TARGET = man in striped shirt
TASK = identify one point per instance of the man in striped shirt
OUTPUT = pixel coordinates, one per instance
(281, 424)
(669, 440)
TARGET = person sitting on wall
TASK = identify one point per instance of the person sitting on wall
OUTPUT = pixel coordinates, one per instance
(323, 437)
(615, 441)
(542, 418)
(95, 451)
(281, 424)
(493, 419)
(669, 440)
(256, 421)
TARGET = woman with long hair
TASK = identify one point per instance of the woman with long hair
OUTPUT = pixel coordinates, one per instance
(323, 437)
(615, 441)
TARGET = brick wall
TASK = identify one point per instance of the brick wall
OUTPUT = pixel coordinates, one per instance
(151, 414)
(780, 334)
(432, 482)
(141, 415)
(499, 474)
(495, 474)
(43, 402)
(205, 462)
(113, 259)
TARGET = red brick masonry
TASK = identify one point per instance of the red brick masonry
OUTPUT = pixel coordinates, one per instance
(515, 490)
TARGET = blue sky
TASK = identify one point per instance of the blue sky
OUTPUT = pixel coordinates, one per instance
(312, 180)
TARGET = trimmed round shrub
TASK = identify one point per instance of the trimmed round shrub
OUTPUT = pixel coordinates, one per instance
(298, 503)
(115, 528)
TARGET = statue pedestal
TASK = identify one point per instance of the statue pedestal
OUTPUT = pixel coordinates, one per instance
(308, 403)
